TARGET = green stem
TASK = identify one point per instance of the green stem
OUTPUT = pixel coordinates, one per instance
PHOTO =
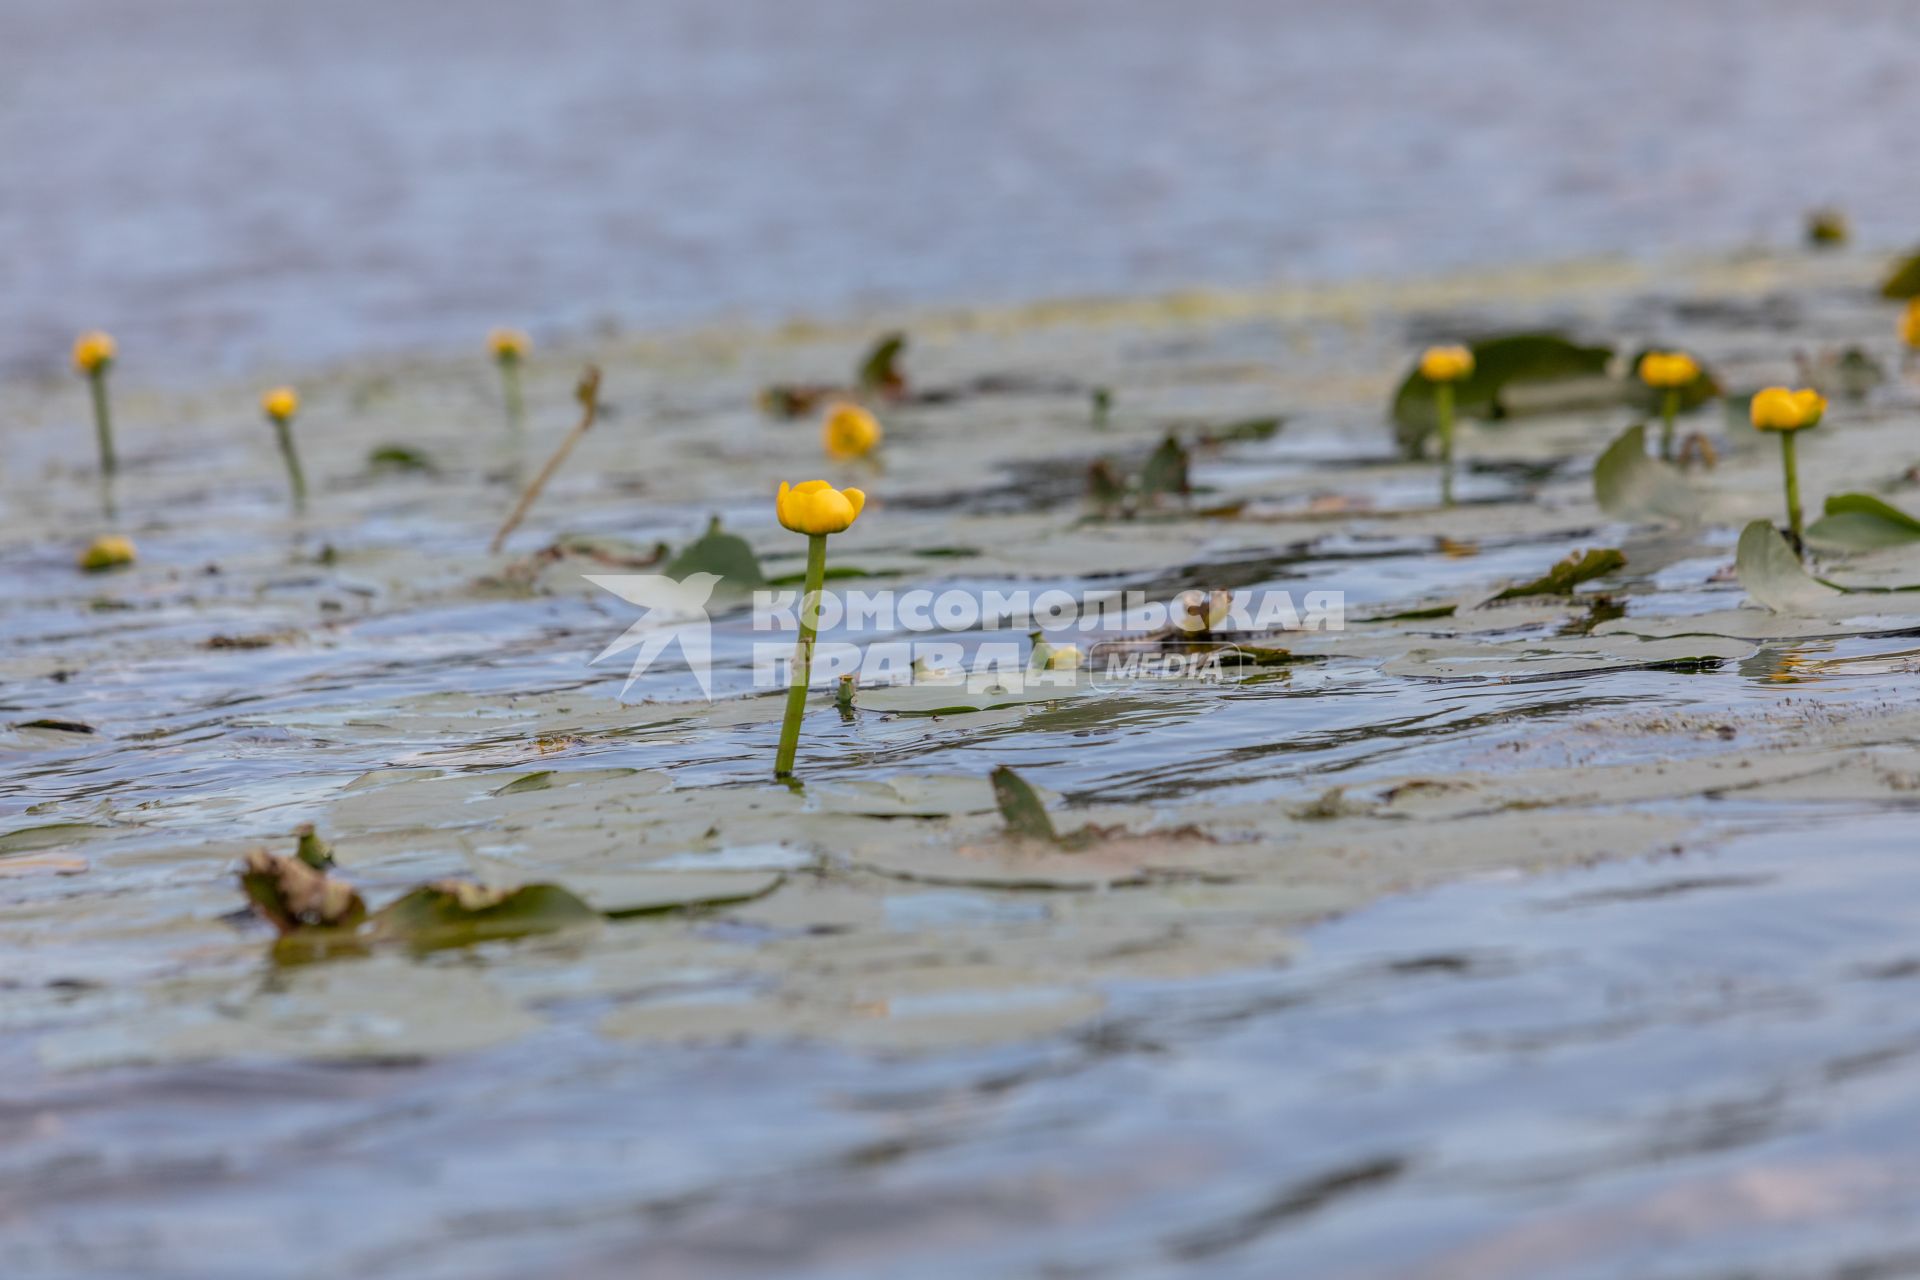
(1443, 407)
(802, 672)
(510, 388)
(295, 477)
(103, 421)
(1669, 406)
(1793, 488)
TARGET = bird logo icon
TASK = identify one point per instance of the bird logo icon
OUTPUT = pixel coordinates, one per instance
(676, 609)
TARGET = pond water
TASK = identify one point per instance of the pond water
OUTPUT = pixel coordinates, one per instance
(232, 184)
(1558, 936)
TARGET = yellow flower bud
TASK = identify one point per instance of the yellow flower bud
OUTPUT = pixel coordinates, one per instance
(1778, 409)
(849, 432)
(508, 344)
(816, 507)
(109, 551)
(281, 403)
(1910, 324)
(93, 351)
(1446, 364)
(1668, 369)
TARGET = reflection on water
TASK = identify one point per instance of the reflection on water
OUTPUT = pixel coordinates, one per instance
(236, 182)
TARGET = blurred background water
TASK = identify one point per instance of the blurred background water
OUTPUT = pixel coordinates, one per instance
(227, 184)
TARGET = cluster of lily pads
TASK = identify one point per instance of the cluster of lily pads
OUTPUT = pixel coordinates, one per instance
(301, 898)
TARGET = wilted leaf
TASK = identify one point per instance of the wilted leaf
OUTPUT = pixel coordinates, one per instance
(1021, 807)
(458, 913)
(1773, 575)
(1105, 487)
(1497, 363)
(1859, 521)
(1628, 485)
(290, 895)
(1579, 567)
(725, 555)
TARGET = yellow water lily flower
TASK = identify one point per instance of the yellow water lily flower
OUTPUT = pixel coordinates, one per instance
(508, 344)
(849, 432)
(109, 551)
(93, 351)
(281, 403)
(1446, 364)
(1668, 369)
(1910, 324)
(815, 507)
(1778, 409)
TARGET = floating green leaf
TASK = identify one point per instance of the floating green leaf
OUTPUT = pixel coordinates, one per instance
(1860, 521)
(1167, 470)
(1579, 567)
(1904, 280)
(458, 913)
(398, 457)
(1772, 574)
(880, 370)
(1020, 806)
(46, 836)
(1247, 429)
(1497, 363)
(1629, 485)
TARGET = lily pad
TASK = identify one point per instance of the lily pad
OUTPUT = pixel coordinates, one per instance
(1773, 575)
(1859, 521)
(1020, 806)
(458, 913)
(1498, 363)
(1904, 280)
(1629, 485)
(398, 457)
(727, 556)
(46, 836)
(1579, 567)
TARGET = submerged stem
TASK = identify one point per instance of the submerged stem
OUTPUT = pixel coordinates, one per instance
(802, 674)
(1669, 406)
(1443, 407)
(296, 478)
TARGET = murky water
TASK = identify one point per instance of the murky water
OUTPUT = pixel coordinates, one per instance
(229, 184)
(1540, 939)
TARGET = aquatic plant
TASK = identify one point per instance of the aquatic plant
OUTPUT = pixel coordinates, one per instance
(93, 354)
(1669, 372)
(1910, 327)
(508, 348)
(1827, 227)
(1788, 412)
(849, 432)
(587, 392)
(817, 509)
(280, 405)
(1444, 366)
